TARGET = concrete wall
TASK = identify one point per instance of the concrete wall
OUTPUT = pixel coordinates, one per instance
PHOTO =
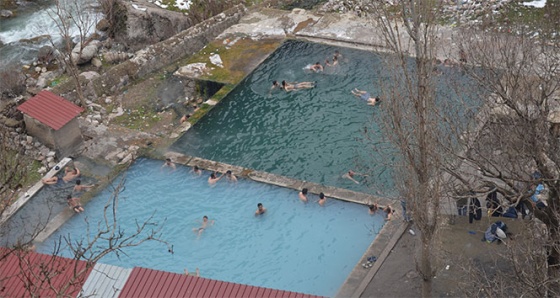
(39, 130)
(159, 55)
(68, 138)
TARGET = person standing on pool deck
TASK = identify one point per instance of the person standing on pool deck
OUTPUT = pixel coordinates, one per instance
(303, 195)
(204, 225)
(213, 179)
(260, 209)
(322, 199)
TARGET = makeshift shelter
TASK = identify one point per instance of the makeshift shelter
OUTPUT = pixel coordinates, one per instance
(53, 120)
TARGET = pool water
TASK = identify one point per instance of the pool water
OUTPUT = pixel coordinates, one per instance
(293, 246)
(314, 134)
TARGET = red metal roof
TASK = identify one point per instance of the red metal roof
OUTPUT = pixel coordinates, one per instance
(25, 274)
(50, 109)
(144, 282)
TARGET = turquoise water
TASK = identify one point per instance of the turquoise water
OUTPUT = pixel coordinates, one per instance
(314, 134)
(293, 246)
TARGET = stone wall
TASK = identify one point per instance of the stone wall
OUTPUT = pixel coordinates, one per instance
(157, 56)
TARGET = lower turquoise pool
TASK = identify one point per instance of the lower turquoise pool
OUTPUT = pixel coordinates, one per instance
(293, 246)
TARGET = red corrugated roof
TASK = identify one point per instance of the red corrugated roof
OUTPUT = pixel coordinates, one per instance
(144, 282)
(24, 274)
(50, 109)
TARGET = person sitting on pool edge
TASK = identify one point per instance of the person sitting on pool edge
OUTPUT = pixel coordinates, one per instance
(296, 86)
(322, 199)
(260, 209)
(213, 179)
(303, 195)
(74, 203)
(50, 181)
(204, 225)
(365, 96)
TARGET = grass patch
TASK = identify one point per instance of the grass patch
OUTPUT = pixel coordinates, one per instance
(238, 59)
(138, 119)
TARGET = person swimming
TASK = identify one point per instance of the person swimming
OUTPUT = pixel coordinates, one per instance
(204, 225)
(317, 67)
(303, 195)
(260, 209)
(296, 86)
(365, 96)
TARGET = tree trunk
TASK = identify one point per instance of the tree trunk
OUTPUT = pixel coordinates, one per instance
(426, 268)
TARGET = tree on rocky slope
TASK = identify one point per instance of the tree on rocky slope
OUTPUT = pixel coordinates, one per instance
(518, 148)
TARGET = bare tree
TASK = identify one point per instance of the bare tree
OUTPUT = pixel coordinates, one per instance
(412, 119)
(72, 18)
(104, 237)
(518, 148)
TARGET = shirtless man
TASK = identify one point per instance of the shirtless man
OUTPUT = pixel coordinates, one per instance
(74, 203)
(317, 67)
(260, 209)
(303, 195)
(80, 187)
(322, 199)
(196, 170)
(204, 225)
(296, 86)
(230, 177)
(213, 178)
(350, 175)
(71, 174)
(50, 181)
(169, 163)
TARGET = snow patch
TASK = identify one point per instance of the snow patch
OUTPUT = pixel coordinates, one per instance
(536, 3)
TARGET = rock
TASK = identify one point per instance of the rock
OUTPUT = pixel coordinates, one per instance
(42, 170)
(43, 69)
(87, 53)
(9, 122)
(103, 25)
(127, 159)
(217, 60)
(121, 154)
(108, 100)
(192, 70)
(29, 139)
(115, 57)
(44, 78)
(46, 54)
(97, 117)
(50, 159)
(89, 75)
(37, 69)
(51, 153)
(51, 165)
(4, 13)
(96, 62)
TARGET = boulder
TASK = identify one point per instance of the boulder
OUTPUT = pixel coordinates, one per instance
(44, 78)
(87, 53)
(4, 13)
(115, 57)
(96, 62)
(46, 54)
(89, 75)
(192, 70)
(102, 25)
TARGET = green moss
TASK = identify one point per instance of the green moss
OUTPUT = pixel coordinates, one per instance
(139, 119)
(32, 172)
(238, 60)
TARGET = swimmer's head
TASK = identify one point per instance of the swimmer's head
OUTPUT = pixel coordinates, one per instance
(213, 175)
(78, 182)
(69, 197)
(377, 99)
(228, 173)
(317, 63)
(321, 196)
(196, 168)
(304, 191)
(274, 83)
(259, 205)
(168, 160)
(205, 218)
(284, 83)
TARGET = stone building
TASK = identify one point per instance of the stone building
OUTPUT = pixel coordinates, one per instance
(53, 120)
